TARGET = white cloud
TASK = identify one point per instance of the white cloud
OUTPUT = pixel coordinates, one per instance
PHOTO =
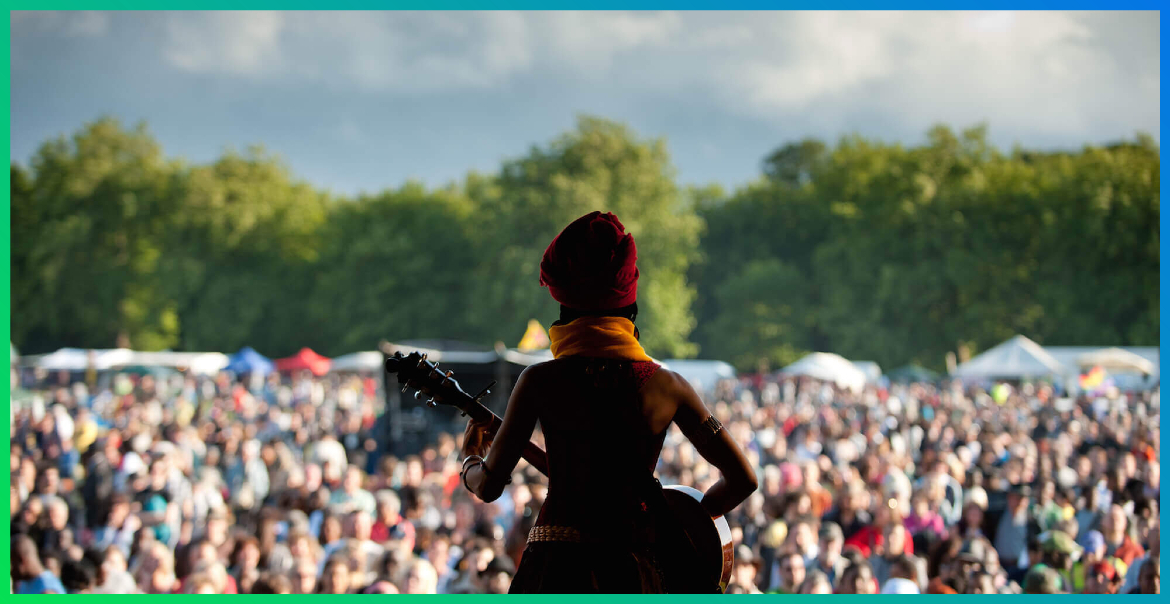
(236, 43)
(407, 51)
(1046, 72)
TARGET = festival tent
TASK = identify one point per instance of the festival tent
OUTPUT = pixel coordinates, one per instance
(1016, 358)
(872, 371)
(305, 359)
(200, 363)
(370, 360)
(78, 359)
(828, 367)
(248, 360)
(1070, 356)
(703, 375)
(912, 373)
(1116, 360)
(65, 359)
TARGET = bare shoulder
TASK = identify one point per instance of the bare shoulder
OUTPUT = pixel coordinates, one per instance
(668, 383)
(662, 395)
(537, 375)
(538, 371)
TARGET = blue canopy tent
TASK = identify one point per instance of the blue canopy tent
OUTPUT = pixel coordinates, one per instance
(249, 361)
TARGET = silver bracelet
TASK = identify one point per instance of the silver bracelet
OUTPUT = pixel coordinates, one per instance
(476, 461)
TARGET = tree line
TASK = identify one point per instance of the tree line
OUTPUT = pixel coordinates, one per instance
(871, 250)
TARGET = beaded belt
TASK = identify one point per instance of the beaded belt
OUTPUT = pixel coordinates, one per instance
(556, 533)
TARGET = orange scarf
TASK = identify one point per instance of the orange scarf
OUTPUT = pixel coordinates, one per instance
(605, 337)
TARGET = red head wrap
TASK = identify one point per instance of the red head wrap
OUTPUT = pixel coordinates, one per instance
(591, 264)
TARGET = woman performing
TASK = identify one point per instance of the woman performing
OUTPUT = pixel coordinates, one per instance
(604, 407)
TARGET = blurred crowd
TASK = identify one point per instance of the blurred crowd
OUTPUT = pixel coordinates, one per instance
(184, 484)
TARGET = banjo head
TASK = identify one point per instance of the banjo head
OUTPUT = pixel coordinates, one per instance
(712, 536)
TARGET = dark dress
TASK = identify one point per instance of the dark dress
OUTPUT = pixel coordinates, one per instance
(601, 459)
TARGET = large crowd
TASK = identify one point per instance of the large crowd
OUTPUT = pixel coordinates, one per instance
(175, 483)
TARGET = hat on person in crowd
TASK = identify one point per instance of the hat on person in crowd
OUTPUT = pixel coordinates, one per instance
(1059, 542)
(976, 496)
(1051, 518)
(1042, 579)
(1104, 567)
(831, 532)
(774, 535)
(1093, 541)
(899, 586)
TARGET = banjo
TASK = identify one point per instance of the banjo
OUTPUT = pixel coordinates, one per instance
(711, 537)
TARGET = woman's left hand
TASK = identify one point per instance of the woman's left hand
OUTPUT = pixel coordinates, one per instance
(477, 439)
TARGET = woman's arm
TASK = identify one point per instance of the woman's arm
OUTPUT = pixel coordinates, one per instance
(502, 452)
(737, 481)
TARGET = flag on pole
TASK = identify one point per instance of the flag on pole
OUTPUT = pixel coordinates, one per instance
(534, 338)
(1093, 379)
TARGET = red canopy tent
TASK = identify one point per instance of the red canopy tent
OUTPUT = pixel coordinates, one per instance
(305, 359)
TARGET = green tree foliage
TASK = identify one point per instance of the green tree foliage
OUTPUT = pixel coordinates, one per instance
(874, 251)
(243, 254)
(87, 221)
(900, 255)
(399, 264)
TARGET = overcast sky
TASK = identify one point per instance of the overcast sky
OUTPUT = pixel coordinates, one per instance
(362, 101)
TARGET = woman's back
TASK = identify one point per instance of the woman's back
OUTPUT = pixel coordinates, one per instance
(595, 531)
(602, 448)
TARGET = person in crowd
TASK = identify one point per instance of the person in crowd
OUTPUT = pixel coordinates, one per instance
(1150, 577)
(1012, 532)
(1119, 543)
(858, 579)
(829, 560)
(816, 583)
(1133, 572)
(791, 570)
(1042, 580)
(744, 573)
(335, 579)
(28, 572)
(1102, 578)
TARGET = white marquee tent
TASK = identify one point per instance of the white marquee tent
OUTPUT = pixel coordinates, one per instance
(201, 363)
(370, 360)
(829, 367)
(1117, 360)
(701, 374)
(1018, 357)
(77, 359)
